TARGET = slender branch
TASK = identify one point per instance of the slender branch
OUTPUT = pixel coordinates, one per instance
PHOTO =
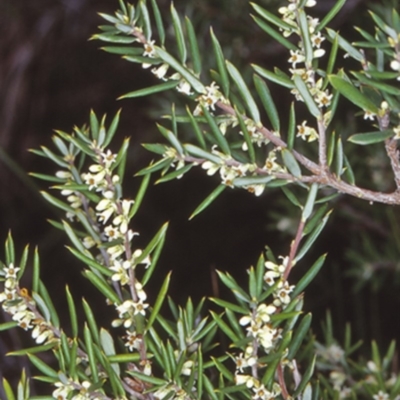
(293, 248)
(322, 144)
(282, 383)
(393, 154)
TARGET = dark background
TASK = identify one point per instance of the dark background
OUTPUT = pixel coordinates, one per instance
(50, 78)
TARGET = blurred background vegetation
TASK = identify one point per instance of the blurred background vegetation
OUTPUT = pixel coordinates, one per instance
(50, 78)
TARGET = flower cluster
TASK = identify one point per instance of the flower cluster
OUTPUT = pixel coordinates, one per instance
(264, 336)
(394, 42)
(110, 220)
(78, 390)
(305, 70)
(22, 308)
(274, 276)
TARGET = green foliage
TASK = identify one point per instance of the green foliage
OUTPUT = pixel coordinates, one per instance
(257, 343)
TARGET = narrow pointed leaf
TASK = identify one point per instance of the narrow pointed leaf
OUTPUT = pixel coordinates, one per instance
(306, 95)
(268, 16)
(72, 313)
(219, 137)
(267, 101)
(180, 40)
(193, 46)
(159, 23)
(371, 137)
(280, 79)
(309, 276)
(219, 56)
(309, 207)
(276, 35)
(102, 286)
(150, 90)
(140, 195)
(190, 78)
(337, 6)
(244, 92)
(208, 200)
(159, 302)
(291, 163)
(196, 129)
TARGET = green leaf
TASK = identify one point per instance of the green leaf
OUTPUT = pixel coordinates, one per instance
(90, 262)
(305, 37)
(272, 18)
(159, 302)
(91, 322)
(102, 286)
(277, 36)
(309, 206)
(267, 101)
(124, 358)
(371, 137)
(339, 157)
(180, 40)
(72, 313)
(178, 173)
(196, 129)
(306, 377)
(151, 90)
(91, 354)
(155, 147)
(252, 180)
(219, 137)
(306, 95)
(193, 46)
(159, 23)
(159, 236)
(171, 138)
(36, 271)
(337, 6)
(44, 294)
(108, 37)
(308, 276)
(244, 92)
(8, 390)
(146, 19)
(160, 164)
(197, 152)
(112, 129)
(291, 163)
(247, 138)
(8, 325)
(107, 343)
(280, 79)
(43, 367)
(375, 85)
(224, 327)
(228, 305)
(123, 50)
(33, 350)
(291, 130)
(349, 91)
(299, 336)
(149, 379)
(94, 125)
(190, 78)
(208, 200)
(345, 45)
(312, 237)
(219, 56)
(140, 195)
(57, 203)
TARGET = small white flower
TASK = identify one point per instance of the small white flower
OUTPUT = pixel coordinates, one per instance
(369, 115)
(296, 57)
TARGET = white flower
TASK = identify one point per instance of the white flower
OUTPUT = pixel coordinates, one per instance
(369, 115)
(306, 132)
(380, 396)
(296, 57)
(187, 368)
(133, 340)
(161, 71)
